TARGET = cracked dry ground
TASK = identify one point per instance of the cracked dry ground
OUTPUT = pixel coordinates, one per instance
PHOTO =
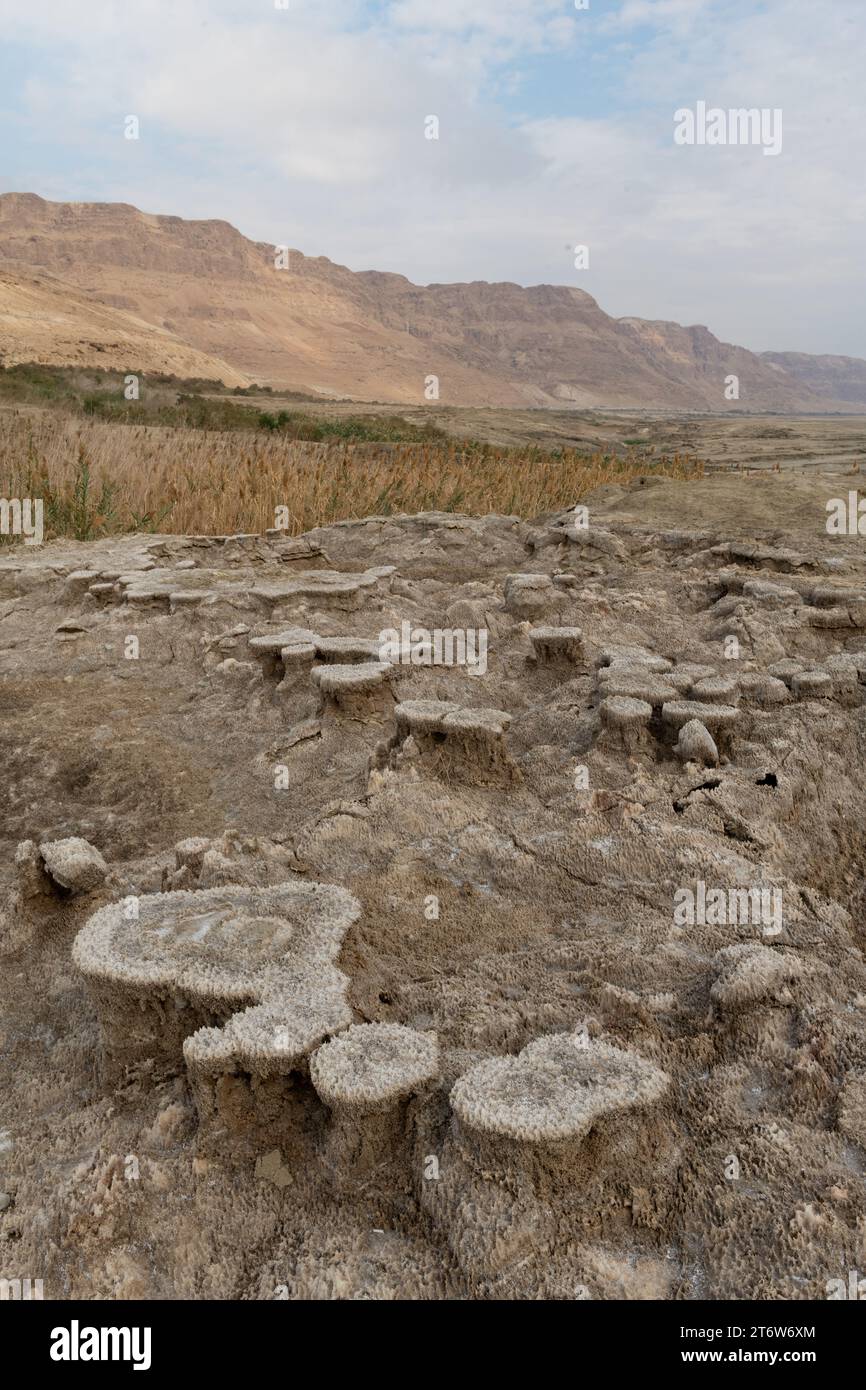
(583, 1068)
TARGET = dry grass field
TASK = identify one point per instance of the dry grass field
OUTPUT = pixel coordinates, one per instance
(100, 478)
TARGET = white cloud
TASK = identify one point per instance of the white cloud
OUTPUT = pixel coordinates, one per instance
(679, 14)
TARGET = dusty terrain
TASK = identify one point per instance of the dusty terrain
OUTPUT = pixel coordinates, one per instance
(376, 336)
(578, 1092)
(822, 442)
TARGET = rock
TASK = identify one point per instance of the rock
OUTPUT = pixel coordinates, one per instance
(75, 625)
(30, 870)
(696, 745)
(74, 864)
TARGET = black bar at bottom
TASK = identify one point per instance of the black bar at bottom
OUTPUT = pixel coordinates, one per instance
(66, 1338)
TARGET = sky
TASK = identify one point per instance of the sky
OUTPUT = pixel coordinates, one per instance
(307, 125)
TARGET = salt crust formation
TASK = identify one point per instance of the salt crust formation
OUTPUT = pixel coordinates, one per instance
(373, 1066)
(327, 588)
(551, 644)
(413, 1015)
(463, 744)
(554, 1090)
(262, 960)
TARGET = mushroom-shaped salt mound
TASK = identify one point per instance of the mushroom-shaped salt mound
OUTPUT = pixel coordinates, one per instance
(636, 684)
(162, 966)
(288, 656)
(333, 589)
(828, 617)
(555, 1091)
(765, 691)
(367, 1076)
(718, 720)
(630, 658)
(528, 595)
(717, 690)
(842, 669)
(348, 649)
(274, 1038)
(626, 720)
(555, 644)
(374, 1066)
(812, 685)
(422, 718)
(762, 591)
(755, 996)
(786, 670)
(466, 744)
(291, 646)
(359, 691)
(296, 647)
(328, 588)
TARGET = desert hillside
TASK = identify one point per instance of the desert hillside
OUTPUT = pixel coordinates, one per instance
(371, 335)
(45, 320)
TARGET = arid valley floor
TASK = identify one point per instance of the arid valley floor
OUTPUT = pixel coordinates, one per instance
(495, 1053)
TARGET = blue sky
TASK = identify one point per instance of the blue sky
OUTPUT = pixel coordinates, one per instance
(306, 126)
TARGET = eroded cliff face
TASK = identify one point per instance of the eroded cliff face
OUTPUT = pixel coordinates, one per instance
(369, 335)
(349, 954)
